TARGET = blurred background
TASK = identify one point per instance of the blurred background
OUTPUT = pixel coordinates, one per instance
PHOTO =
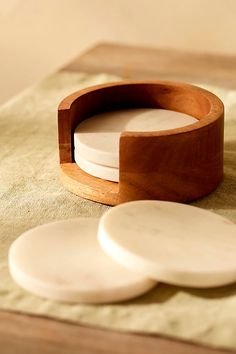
(38, 37)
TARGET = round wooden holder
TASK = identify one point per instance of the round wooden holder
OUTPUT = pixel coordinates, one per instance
(177, 165)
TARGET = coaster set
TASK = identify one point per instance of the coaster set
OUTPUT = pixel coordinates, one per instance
(130, 143)
(96, 139)
(115, 138)
(125, 253)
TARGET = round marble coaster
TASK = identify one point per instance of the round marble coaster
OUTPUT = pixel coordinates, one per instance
(64, 261)
(97, 138)
(104, 172)
(174, 243)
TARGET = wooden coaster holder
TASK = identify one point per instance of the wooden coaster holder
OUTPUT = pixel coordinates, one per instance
(179, 165)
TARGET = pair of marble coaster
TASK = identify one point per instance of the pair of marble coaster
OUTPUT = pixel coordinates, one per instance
(96, 139)
(125, 253)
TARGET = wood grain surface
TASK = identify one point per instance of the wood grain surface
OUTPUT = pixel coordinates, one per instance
(24, 334)
(133, 62)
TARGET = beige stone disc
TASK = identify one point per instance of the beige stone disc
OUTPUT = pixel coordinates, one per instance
(64, 261)
(100, 171)
(174, 243)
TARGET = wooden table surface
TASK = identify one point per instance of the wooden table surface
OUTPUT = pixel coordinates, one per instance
(23, 334)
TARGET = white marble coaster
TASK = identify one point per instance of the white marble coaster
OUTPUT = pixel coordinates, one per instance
(64, 261)
(97, 138)
(175, 243)
(104, 172)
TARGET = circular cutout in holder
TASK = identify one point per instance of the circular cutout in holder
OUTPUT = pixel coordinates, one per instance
(175, 243)
(100, 171)
(63, 261)
(97, 137)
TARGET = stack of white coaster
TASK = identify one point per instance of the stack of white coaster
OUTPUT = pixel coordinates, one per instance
(96, 139)
(125, 253)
